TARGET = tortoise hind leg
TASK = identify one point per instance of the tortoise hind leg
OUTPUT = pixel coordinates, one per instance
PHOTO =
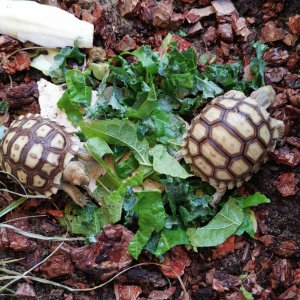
(74, 193)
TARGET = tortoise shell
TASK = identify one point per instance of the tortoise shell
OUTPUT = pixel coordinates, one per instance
(229, 140)
(36, 150)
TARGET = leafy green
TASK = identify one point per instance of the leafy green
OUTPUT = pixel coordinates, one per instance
(82, 220)
(98, 148)
(195, 208)
(130, 199)
(146, 58)
(209, 89)
(252, 200)
(139, 240)
(222, 226)
(4, 106)
(111, 209)
(181, 196)
(249, 224)
(77, 96)
(45, 62)
(144, 110)
(118, 132)
(72, 110)
(234, 218)
(164, 163)
(127, 167)
(99, 69)
(109, 105)
(78, 91)
(58, 71)
(134, 130)
(169, 238)
(257, 65)
(163, 127)
(228, 75)
(247, 295)
(152, 217)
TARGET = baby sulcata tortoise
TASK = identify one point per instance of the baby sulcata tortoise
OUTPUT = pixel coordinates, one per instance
(230, 139)
(39, 153)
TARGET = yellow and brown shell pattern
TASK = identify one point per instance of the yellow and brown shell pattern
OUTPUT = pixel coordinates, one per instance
(36, 150)
(228, 141)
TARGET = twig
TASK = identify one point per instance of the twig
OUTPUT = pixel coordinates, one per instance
(18, 50)
(86, 289)
(17, 278)
(38, 236)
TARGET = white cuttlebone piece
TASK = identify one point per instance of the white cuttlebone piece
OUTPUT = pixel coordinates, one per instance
(49, 94)
(44, 25)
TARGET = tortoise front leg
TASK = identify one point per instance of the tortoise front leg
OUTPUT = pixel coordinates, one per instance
(74, 193)
(217, 196)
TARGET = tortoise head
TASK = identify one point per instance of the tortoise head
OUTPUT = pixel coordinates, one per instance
(76, 174)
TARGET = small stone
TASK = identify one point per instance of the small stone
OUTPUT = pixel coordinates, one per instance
(287, 184)
(176, 260)
(176, 21)
(225, 32)
(285, 156)
(224, 7)
(293, 140)
(130, 292)
(286, 248)
(293, 80)
(294, 24)
(290, 39)
(271, 33)
(127, 7)
(126, 44)
(210, 36)
(25, 291)
(57, 265)
(194, 29)
(275, 75)
(282, 273)
(239, 26)
(292, 293)
(276, 56)
(197, 14)
(108, 255)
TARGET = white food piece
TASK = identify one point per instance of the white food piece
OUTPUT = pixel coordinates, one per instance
(45, 62)
(49, 94)
(44, 25)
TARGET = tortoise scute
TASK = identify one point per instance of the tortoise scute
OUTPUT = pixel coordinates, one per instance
(229, 140)
(36, 151)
